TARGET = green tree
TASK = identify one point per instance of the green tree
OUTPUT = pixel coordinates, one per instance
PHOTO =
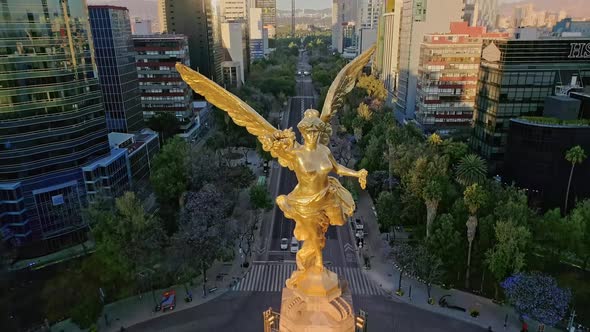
(474, 197)
(405, 257)
(428, 267)
(445, 241)
(388, 211)
(471, 169)
(166, 124)
(206, 233)
(575, 155)
(508, 254)
(580, 223)
(259, 197)
(373, 87)
(170, 179)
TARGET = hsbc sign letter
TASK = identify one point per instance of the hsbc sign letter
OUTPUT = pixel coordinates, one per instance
(579, 51)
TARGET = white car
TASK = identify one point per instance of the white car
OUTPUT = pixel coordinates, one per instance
(306, 73)
(294, 245)
(284, 243)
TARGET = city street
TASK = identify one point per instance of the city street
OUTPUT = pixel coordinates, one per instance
(339, 250)
(242, 311)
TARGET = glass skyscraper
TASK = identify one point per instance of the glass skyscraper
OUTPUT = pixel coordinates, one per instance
(115, 60)
(52, 121)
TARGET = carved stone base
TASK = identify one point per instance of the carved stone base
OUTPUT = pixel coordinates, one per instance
(305, 313)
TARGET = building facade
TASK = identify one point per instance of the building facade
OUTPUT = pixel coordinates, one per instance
(447, 77)
(234, 10)
(199, 20)
(390, 58)
(343, 13)
(483, 13)
(535, 160)
(162, 88)
(115, 60)
(419, 17)
(52, 122)
(141, 26)
(235, 47)
(515, 77)
(258, 35)
(269, 15)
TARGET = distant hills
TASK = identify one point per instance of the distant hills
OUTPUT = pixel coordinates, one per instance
(574, 8)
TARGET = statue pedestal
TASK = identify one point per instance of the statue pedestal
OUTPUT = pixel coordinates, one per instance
(318, 303)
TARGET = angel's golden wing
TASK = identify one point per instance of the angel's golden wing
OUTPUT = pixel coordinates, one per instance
(344, 82)
(240, 112)
(278, 142)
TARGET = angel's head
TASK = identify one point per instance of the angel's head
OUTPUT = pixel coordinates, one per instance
(311, 127)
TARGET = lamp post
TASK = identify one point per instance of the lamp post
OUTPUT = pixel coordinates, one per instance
(471, 228)
(147, 273)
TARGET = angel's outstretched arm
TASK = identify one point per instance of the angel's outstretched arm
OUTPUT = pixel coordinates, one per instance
(345, 171)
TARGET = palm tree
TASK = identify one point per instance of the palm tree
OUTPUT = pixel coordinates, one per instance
(575, 155)
(432, 195)
(471, 169)
(474, 197)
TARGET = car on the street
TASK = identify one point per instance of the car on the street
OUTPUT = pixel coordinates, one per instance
(300, 73)
(284, 243)
(306, 73)
(294, 245)
(168, 300)
(358, 225)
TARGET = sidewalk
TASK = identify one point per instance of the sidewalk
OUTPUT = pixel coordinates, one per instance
(136, 309)
(384, 273)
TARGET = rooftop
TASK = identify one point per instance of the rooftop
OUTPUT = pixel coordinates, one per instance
(553, 122)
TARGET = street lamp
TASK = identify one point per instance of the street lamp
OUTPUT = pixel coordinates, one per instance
(147, 273)
(471, 228)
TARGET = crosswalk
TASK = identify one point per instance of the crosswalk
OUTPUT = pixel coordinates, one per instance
(271, 277)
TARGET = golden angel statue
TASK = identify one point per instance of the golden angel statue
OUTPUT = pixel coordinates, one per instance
(318, 200)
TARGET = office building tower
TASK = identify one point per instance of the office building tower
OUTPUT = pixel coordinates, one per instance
(235, 52)
(515, 77)
(234, 10)
(391, 36)
(162, 88)
(482, 13)
(269, 15)
(198, 20)
(344, 15)
(141, 26)
(447, 77)
(115, 60)
(419, 17)
(369, 13)
(52, 122)
(534, 144)
(258, 35)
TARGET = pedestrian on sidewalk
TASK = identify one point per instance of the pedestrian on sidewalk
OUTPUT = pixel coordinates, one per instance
(525, 327)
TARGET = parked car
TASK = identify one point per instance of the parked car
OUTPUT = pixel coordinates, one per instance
(358, 225)
(168, 300)
(284, 243)
(294, 245)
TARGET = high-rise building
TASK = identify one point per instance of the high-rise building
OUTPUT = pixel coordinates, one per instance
(234, 10)
(481, 13)
(391, 36)
(269, 15)
(115, 60)
(515, 77)
(52, 122)
(258, 35)
(235, 50)
(162, 88)
(141, 26)
(447, 77)
(419, 17)
(345, 14)
(369, 13)
(198, 20)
